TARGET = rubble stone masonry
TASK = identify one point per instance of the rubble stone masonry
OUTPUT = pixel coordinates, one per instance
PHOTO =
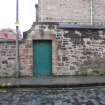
(81, 52)
(7, 58)
(74, 52)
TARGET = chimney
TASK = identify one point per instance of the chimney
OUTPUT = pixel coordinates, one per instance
(36, 6)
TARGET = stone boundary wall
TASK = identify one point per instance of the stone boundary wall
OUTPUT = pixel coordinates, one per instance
(26, 51)
(78, 51)
(81, 52)
(7, 58)
(75, 52)
(26, 57)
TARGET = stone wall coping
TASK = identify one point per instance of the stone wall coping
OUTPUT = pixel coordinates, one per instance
(9, 41)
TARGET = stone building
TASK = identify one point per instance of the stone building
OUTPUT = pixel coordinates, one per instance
(72, 11)
(67, 51)
(68, 38)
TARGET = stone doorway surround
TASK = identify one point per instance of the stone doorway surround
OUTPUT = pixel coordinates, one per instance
(35, 34)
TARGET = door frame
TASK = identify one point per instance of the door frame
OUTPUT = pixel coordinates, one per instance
(47, 36)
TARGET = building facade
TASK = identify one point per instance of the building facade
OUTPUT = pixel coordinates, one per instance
(68, 38)
(72, 11)
(73, 51)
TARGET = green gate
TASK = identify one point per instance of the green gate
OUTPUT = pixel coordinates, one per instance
(42, 57)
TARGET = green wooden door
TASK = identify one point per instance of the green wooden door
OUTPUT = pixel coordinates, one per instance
(42, 58)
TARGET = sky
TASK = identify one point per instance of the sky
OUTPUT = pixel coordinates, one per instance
(8, 14)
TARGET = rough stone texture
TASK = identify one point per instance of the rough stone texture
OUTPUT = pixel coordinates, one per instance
(26, 58)
(26, 53)
(7, 58)
(74, 52)
(81, 51)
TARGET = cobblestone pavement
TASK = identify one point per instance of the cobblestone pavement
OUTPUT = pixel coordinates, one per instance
(61, 96)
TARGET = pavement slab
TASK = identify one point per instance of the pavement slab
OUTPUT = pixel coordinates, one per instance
(53, 81)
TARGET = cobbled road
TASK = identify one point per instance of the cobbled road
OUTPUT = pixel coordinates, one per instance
(58, 96)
